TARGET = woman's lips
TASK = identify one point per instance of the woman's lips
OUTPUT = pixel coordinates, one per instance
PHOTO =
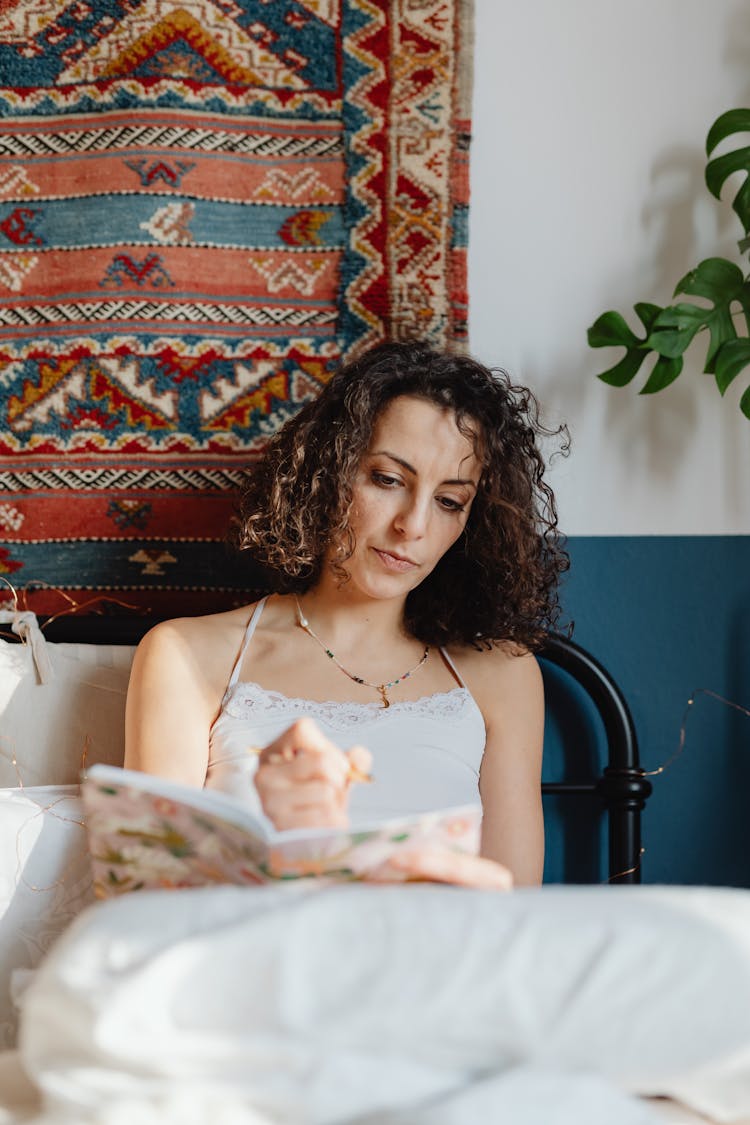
(394, 562)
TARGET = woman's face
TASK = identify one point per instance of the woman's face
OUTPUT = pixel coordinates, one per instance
(411, 497)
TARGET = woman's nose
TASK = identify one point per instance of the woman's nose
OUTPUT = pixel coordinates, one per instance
(411, 521)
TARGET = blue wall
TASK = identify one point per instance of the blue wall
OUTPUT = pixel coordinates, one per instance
(667, 615)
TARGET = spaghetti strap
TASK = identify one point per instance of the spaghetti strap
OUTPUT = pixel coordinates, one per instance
(452, 667)
(251, 625)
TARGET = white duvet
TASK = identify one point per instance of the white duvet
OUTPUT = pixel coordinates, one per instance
(411, 1005)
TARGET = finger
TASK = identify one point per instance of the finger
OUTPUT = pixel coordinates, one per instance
(441, 865)
(283, 773)
(317, 794)
(317, 818)
(301, 804)
(325, 814)
(305, 741)
(304, 735)
(360, 764)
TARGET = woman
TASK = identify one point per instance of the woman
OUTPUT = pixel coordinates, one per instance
(411, 555)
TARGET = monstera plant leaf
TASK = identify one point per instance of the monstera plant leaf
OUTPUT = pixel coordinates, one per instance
(721, 286)
(610, 330)
(720, 168)
(733, 358)
(720, 282)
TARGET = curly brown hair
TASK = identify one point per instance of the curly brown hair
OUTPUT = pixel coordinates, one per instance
(498, 582)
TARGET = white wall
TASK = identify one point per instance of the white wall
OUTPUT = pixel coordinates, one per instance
(587, 161)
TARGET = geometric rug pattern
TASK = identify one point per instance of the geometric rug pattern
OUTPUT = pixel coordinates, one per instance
(204, 206)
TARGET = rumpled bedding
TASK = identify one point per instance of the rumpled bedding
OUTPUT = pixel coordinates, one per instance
(405, 1005)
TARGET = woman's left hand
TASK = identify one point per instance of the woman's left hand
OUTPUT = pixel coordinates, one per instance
(432, 864)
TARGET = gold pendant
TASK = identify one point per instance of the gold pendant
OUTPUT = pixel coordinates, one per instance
(383, 696)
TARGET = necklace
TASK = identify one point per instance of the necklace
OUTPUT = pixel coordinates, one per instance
(382, 688)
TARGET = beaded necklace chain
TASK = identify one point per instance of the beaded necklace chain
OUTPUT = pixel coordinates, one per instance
(381, 688)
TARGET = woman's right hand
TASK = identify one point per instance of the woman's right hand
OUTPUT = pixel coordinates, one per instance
(303, 779)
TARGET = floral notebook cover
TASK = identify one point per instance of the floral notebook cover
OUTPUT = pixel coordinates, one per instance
(146, 832)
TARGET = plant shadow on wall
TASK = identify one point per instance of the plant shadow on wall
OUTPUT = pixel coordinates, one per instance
(712, 301)
(671, 219)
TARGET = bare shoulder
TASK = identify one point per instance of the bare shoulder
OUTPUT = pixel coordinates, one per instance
(199, 647)
(499, 674)
(179, 630)
(179, 675)
(501, 663)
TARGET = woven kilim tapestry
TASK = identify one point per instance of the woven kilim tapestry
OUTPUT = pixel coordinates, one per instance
(204, 206)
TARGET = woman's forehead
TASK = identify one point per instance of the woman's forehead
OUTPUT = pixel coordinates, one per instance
(415, 412)
(414, 426)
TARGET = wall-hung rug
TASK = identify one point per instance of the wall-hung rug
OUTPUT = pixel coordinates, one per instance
(204, 206)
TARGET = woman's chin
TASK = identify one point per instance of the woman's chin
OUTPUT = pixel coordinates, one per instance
(383, 587)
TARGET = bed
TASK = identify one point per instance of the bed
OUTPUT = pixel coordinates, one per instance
(369, 1005)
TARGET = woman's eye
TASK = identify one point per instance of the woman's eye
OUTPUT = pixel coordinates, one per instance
(385, 480)
(450, 505)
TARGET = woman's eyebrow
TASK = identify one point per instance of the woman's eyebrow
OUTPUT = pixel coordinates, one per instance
(410, 468)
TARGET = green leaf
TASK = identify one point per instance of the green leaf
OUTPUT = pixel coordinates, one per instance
(611, 330)
(745, 403)
(716, 280)
(731, 122)
(664, 372)
(722, 282)
(647, 314)
(718, 172)
(622, 372)
(733, 358)
(669, 331)
(712, 278)
(720, 168)
(676, 327)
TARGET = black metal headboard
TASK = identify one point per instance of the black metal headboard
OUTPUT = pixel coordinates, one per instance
(621, 788)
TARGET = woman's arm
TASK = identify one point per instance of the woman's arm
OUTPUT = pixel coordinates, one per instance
(174, 693)
(179, 675)
(509, 691)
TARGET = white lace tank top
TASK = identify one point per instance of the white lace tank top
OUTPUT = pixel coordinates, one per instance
(426, 753)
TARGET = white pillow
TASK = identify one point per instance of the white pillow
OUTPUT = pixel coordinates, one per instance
(45, 880)
(57, 703)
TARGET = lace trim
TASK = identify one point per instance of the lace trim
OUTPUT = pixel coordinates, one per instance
(248, 700)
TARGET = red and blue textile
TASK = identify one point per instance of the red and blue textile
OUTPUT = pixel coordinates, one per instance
(204, 206)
